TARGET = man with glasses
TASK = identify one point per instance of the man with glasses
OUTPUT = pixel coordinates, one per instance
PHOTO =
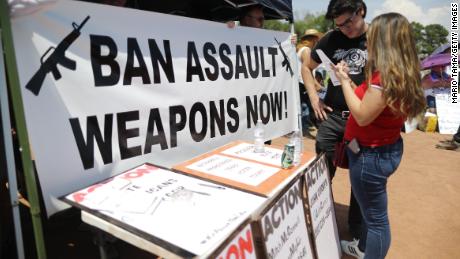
(346, 42)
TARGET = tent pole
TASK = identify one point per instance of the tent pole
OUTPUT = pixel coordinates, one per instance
(296, 84)
(18, 109)
(9, 156)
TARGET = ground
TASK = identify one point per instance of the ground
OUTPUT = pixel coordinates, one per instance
(424, 199)
(423, 202)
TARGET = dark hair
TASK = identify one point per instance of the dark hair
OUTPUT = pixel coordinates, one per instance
(318, 74)
(339, 7)
(247, 9)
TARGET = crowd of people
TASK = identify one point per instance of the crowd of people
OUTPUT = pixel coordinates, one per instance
(380, 87)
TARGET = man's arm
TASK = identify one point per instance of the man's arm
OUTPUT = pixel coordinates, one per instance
(308, 64)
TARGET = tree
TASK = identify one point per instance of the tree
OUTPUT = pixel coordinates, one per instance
(435, 36)
(276, 25)
(310, 21)
(429, 37)
(418, 34)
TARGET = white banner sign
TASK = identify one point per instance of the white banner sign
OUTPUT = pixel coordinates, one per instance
(108, 88)
(322, 211)
(284, 227)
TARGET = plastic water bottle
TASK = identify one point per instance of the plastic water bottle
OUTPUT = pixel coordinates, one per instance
(296, 140)
(259, 137)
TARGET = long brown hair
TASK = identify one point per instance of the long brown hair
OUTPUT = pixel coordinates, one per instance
(391, 51)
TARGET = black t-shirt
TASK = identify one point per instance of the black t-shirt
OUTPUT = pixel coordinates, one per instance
(339, 47)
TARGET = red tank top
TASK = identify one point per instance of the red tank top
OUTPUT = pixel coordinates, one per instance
(384, 130)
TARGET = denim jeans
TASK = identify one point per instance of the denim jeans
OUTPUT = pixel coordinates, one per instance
(305, 113)
(369, 171)
(308, 116)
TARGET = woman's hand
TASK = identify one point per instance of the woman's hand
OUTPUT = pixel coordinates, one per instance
(341, 71)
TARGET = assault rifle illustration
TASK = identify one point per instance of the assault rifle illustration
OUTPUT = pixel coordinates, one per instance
(57, 57)
(285, 62)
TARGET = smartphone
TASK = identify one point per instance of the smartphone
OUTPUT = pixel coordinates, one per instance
(354, 146)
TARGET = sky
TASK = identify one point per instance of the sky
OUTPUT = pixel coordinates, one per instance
(422, 11)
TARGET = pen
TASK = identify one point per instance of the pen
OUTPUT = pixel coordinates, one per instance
(212, 186)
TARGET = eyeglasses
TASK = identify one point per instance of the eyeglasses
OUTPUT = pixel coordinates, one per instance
(257, 18)
(347, 21)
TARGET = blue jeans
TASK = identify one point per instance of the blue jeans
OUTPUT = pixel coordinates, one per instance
(369, 171)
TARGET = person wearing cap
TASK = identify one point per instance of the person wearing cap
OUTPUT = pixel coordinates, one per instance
(435, 82)
(347, 42)
(304, 47)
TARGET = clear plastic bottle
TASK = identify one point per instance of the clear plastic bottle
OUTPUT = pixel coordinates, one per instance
(259, 137)
(296, 140)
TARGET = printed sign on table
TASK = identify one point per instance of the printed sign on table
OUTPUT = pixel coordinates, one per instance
(241, 246)
(188, 214)
(322, 212)
(271, 156)
(284, 226)
(234, 169)
(237, 165)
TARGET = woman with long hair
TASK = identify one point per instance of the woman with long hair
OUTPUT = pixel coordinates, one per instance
(391, 93)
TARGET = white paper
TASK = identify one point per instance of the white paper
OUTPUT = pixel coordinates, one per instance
(322, 212)
(270, 155)
(410, 125)
(327, 64)
(284, 229)
(234, 169)
(190, 213)
(448, 114)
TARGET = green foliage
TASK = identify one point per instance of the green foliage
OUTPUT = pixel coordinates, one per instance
(276, 25)
(436, 35)
(310, 21)
(429, 37)
(418, 34)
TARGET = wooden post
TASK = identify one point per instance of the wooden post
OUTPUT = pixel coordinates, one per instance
(18, 110)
